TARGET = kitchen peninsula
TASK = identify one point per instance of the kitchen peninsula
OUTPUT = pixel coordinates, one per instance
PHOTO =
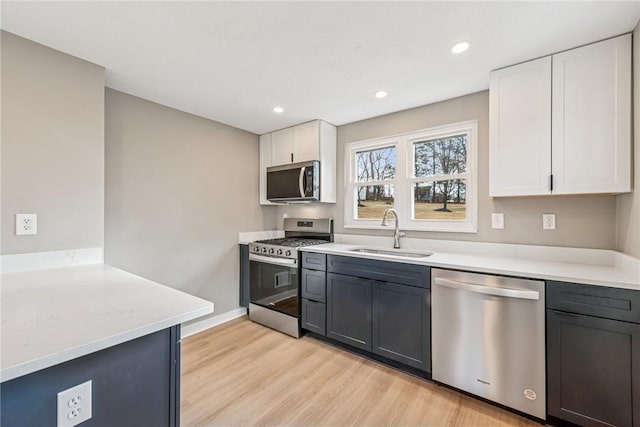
(65, 326)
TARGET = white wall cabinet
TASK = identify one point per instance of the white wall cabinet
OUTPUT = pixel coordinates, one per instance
(265, 162)
(281, 147)
(315, 140)
(299, 143)
(520, 129)
(562, 124)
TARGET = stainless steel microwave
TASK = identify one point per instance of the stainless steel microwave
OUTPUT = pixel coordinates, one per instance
(296, 182)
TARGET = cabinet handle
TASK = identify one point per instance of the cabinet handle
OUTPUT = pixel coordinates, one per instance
(551, 182)
(291, 157)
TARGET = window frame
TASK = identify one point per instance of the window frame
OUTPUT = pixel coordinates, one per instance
(352, 183)
(405, 179)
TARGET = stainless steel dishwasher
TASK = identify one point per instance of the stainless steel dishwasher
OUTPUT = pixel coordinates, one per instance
(488, 337)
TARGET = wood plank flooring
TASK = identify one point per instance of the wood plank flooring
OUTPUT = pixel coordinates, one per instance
(244, 374)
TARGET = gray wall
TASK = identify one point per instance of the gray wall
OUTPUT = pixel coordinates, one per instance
(179, 188)
(629, 204)
(52, 147)
(581, 221)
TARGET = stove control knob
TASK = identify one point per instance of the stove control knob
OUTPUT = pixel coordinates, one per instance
(288, 253)
(256, 249)
(264, 250)
(279, 251)
(271, 251)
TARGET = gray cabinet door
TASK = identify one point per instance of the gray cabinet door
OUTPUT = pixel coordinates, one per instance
(313, 285)
(314, 316)
(593, 370)
(349, 310)
(402, 324)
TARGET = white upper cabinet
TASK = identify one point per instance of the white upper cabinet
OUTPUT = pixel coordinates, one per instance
(591, 122)
(520, 129)
(306, 142)
(296, 144)
(281, 147)
(314, 140)
(265, 162)
(562, 124)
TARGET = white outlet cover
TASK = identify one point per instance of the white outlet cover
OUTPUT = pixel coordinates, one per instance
(26, 224)
(548, 221)
(497, 221)
(74, 405)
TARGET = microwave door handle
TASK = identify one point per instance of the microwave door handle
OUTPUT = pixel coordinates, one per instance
(301, 180)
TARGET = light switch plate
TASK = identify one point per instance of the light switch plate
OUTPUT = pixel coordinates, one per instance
(26, 224)
(548, 221)
(497, 221)
(74, 405)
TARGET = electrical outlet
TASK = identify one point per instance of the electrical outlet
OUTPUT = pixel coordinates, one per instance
(74, 405)
(548, 221)
(497, 221)
(26, 224)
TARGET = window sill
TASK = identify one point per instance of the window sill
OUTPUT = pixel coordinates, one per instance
(435, 229)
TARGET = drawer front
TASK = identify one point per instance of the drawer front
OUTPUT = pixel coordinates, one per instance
(314, 316)
(600, 301)
(314, 261)
(384, 271)
(314, 285)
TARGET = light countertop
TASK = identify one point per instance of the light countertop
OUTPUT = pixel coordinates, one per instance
(604, 268)
(55, 315)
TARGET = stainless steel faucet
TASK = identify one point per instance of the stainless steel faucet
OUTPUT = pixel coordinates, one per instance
(397, 234)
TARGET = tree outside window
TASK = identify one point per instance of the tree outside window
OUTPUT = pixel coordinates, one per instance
(428, 176)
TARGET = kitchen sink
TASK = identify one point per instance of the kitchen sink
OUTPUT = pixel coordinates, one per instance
(392, 252)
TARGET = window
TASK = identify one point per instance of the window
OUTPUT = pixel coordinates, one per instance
(428, 176)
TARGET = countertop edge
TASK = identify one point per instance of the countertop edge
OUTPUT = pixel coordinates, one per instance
(31, 366)
(527, 273)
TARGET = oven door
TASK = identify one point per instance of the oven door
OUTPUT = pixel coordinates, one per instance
(274, 284)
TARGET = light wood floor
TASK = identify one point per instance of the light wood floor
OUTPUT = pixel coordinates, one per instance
(241, 373)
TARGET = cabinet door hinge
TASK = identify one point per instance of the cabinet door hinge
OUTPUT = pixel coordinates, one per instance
(551, 181)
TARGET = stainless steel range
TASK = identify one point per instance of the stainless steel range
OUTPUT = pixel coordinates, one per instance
(274, 273)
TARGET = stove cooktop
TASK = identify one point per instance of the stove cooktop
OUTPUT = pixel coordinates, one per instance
(294, 242)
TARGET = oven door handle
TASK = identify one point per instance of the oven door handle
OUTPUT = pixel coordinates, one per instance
(288, 262)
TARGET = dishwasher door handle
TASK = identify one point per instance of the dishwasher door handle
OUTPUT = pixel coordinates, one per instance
(488, 290)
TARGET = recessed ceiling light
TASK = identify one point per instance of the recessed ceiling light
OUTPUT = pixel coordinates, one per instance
(278, 110)
(381, 94)
(460, 47)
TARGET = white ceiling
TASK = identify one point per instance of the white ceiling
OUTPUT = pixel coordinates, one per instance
(234, 61)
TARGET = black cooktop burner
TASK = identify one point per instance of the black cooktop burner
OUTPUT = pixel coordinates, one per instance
(296, 242)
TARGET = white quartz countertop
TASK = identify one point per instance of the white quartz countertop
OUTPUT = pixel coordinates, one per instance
(595, 267)
(55, 315)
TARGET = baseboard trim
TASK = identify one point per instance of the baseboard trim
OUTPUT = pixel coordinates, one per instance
(198, 326)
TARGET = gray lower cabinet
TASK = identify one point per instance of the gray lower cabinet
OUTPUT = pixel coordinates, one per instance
(313, 285)
(349, 310)
(244, 276)
(402, 324)
(136, 383)
(593, 362)
(313, 290)
(314, 316)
